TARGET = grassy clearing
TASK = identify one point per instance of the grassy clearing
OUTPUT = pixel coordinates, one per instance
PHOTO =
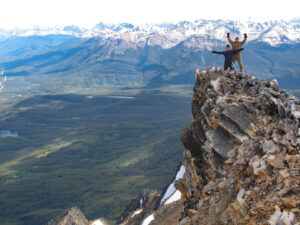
(30, 154)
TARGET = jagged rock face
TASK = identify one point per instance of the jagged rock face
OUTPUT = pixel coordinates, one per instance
(140, 207)
(241, 152)
(162, 214)
(155, 208)
(71, 216)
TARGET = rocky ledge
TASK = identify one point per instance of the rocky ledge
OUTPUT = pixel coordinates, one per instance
(241, 153)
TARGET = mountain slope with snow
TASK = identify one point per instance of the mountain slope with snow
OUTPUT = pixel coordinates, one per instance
(169, 35)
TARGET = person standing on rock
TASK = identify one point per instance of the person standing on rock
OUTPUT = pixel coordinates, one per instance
(237, 44)
(228, 54)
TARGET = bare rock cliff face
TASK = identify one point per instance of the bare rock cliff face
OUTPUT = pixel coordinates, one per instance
(241, 153)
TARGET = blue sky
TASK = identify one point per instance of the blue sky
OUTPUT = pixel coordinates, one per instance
(87, 13)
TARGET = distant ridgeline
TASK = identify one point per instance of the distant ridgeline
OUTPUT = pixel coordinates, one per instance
(125, 55)
(240, 158)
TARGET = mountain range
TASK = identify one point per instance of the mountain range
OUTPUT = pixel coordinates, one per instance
(168, 35)
(126, 55)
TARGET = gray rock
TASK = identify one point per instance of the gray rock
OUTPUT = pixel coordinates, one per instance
(207, 107)
(199, 204)
(221, 141)
(282, 110)
(270, 147)
(233, 129)
(226, 88)
(249, 107)
(183, 221)
(274, 93)
(239, 116)
(71, 216)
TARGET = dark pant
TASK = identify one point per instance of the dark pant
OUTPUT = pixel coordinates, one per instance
(230, 65)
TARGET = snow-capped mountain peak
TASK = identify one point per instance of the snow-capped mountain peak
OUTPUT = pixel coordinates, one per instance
(168, 34)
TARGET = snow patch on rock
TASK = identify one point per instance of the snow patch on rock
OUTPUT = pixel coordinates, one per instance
(175, 197)
(171, 189)
(137, 212)
(97, 222)
(148, 220)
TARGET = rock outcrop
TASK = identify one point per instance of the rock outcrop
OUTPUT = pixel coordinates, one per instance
(241, 153)
(74, 216)
(71, 216)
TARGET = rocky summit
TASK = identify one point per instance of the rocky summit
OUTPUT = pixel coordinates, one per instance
(241, 161)
(241, 152)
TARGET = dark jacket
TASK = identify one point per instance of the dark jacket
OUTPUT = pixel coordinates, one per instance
(228, 54)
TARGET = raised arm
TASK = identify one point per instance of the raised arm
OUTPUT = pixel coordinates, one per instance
(244, 41)
(229, 39)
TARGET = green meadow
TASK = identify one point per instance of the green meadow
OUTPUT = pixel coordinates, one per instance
(93, 150)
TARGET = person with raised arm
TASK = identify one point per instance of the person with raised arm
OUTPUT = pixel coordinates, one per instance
(228, 54)
(237, 44)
